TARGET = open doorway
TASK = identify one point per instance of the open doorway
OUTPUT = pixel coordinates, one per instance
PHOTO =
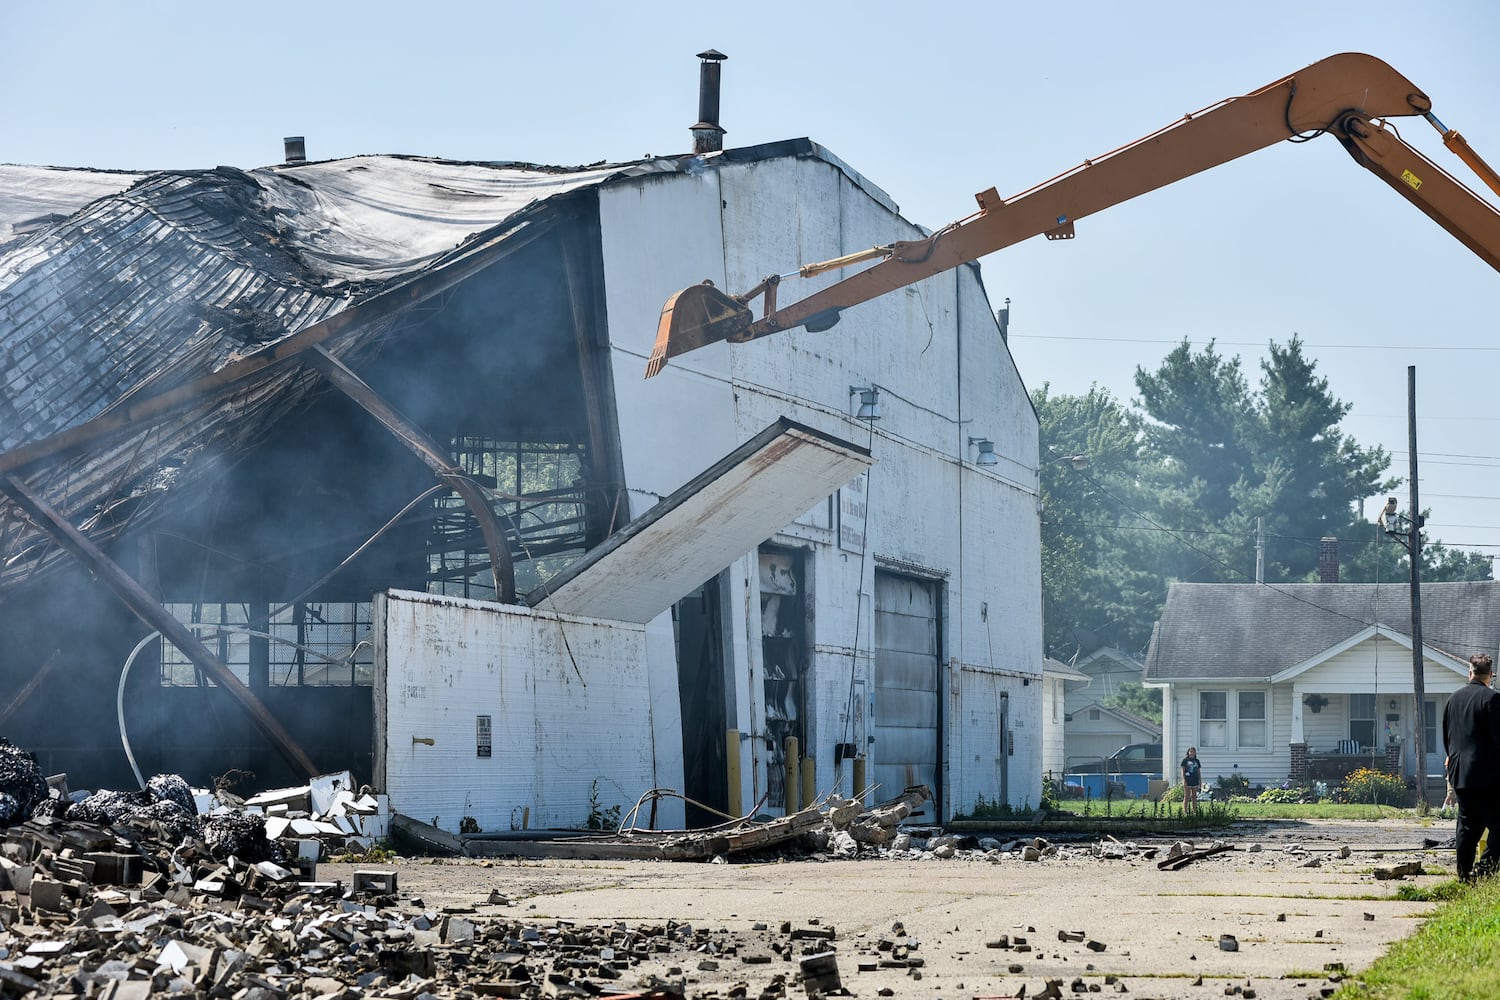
(698, 622)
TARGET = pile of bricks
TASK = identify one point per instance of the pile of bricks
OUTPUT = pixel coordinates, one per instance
(108, 913)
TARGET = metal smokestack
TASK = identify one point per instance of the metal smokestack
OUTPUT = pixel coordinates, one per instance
(296, 149)
(708, 135)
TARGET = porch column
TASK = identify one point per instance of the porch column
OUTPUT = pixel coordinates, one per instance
(1297, 746)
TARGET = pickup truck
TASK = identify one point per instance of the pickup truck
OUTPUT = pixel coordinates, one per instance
(1133, 758)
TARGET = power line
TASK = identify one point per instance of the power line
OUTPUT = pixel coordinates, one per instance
(1252, 343)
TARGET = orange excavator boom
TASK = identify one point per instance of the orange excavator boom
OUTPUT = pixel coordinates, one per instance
(1350, 96)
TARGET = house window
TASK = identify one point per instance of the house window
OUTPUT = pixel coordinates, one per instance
(1430, 727)
(1252, 719)
(1213, 718)
(1093, 715)
(1362, 719)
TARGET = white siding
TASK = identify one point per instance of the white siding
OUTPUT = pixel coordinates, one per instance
(944, 375)
(1377, 665)
(1268, 765)
(569, 701)
(1054, 735)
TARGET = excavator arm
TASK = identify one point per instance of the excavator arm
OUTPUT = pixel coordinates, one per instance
(1349, 95)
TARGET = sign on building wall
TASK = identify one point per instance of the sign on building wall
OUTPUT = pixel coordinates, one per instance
(853, 513)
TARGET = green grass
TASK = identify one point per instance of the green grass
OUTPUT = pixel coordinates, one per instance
(1141, 809)
(1451, 955)
(1317, 810)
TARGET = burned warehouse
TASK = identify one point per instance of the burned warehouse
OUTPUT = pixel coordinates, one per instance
(351, 464)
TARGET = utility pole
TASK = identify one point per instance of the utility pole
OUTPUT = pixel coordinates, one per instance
(1418, 688)
(1408, 531)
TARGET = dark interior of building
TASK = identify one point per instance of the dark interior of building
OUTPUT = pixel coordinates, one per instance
(285, 542)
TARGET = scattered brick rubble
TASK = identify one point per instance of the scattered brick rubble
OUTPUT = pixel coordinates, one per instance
(175, 891)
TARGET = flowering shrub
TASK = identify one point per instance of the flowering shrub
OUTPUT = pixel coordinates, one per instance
(1280, 795)
(1370, 786)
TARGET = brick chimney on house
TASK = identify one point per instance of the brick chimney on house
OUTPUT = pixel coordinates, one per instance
(708, 135)
(1328, 559)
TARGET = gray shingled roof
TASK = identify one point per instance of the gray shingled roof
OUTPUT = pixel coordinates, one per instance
(1246, 630)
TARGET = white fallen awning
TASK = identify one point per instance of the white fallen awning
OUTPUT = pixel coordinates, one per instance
(691, 535)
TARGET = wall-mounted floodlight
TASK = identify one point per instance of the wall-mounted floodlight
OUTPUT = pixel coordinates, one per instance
(869, 402)
(986, 449)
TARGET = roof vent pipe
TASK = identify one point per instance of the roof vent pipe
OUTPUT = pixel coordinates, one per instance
(708, 135)
(296, 149)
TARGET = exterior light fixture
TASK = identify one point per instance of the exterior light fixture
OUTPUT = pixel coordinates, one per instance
(1397, 525)
(986, 449)
(869, 402)
(1079, 462)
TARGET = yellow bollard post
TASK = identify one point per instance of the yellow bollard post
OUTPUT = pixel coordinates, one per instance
(809, 781)
(793, 782)
(859, 777)
(732, 772)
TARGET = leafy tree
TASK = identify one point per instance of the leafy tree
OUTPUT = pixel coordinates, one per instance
(1097, 571)
(1178, 484)
(1276, 457)
(1138, 699)
(1320, 474)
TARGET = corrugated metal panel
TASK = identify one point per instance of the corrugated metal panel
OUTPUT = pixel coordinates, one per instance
(32, 197)
(906, 684)
(691, 535)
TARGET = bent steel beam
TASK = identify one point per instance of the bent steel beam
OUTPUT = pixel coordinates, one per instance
(432, 454)
(149, 610)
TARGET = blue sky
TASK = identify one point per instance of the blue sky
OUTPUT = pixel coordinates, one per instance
(931, 102)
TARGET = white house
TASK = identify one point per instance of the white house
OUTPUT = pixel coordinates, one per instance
(1096, 730)
(1308, 681)
(1109, 670)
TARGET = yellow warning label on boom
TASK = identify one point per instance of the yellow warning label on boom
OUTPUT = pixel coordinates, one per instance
(1412, 180)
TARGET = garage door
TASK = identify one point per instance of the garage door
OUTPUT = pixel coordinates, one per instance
(906, 686)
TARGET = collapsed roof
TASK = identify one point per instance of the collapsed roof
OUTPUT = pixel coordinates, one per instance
(149, 324)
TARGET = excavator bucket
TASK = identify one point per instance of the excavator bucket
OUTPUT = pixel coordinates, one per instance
(694, 317)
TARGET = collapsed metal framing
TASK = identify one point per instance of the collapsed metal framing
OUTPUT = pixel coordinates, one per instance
(303, 347)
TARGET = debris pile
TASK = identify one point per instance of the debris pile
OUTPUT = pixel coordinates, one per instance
(95, 911)
(22, 787)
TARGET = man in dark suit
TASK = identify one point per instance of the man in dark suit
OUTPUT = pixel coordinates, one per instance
(1471, 738)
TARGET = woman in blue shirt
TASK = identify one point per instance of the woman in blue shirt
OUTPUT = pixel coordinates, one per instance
(1192, 777)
